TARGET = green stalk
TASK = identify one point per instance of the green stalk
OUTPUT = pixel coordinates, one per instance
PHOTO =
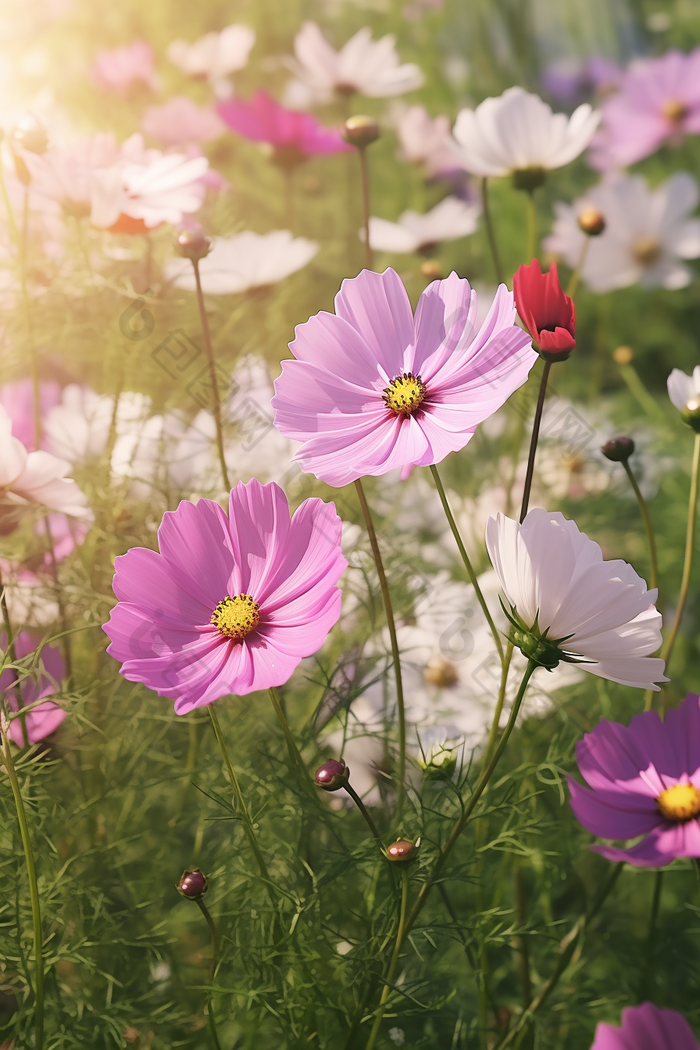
(668, 646)
(534, 439)
(11, 652)
(369, 257)
(490, 231)
(644, 511)
(465, 558)
(294, 752)
(33, 887)
(493, 734)
(531, 226)
(215, 395)
(212, 969)
(400, 934)
(388, 609)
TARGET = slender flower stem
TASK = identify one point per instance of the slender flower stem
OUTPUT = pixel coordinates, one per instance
(493, 734)
(521, 940)
(363, 810)
(294, 752)
(388, 609)
(212, 969)
(566, 950)
(572, 286)
(644, 510)
(215, 396)
(369, 257)
(465, 558)
(531, 226)
(640, 393)
(648, 952)
(400, 933)
(534, 439)
(479, 788)
(238, 794)
(12, 653)
(490, 231)
(33, 886)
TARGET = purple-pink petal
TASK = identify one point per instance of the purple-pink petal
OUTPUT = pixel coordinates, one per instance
(646, 1027)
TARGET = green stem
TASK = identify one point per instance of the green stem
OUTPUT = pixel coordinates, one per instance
(644, 510)
(294, 752)
(465, 558)
(12, 653)
(215, 396)
(640, 392)
(651, 937)
(212, 969)
(531, 226)
(572, 286)
(493, 734)
(400, 934)
(522, 944)
(534, 439)
(33, 887)
(369, 257)
(668, 646)
(389, 611)
(479, 788)
(490, 231)
(238, 794)
(363, 810)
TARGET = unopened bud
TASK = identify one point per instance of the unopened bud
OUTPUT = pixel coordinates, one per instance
(401, 850)
(432, 269)
(440, 762)
(192, 244)
(440, 672)
(592, 221)
(29, 135)
(618, 449)
(360, 131)
(193, 884)
(691, 413)
(623, 355)
(332, 775)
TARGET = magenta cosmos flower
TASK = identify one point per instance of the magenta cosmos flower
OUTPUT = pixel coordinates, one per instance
(373, 388)
(658, 101)
(45, 718)
(645, 780)
(646, 1027)
(293, 134)
(232, 603)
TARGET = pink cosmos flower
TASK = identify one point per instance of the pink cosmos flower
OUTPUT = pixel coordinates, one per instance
(646, 1027)
(180, 121)
(232, 603)
(45, 718)
(658, 101)
(118, 69)
(373, 389)
(295, 135)
(645, 780)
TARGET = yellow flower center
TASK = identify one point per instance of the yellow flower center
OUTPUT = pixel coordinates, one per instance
(679, 803)
(646, 250)
(236, 617)
(405, 394)
(674, 111)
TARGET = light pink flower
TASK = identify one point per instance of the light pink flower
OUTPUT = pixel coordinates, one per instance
(18, 400)
(214, 57)
(118, 69)
(427, 140)
(658, 101)
(373, 389)
(180, 121)
(232, 603)
(46, 718)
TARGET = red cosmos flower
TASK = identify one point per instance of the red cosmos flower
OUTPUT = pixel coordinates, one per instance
(546, 311)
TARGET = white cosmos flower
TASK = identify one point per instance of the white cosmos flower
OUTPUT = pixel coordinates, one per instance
(647, 233)
(247, 260)
(682, 388)
(449, 220)
(363, 65)
(518, 132)
(555, 577)
(427, 140)
(77, 428)
(37, 477)
(215, 56)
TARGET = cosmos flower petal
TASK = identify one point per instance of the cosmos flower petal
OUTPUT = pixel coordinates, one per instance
(646, 1027)
(613, 815)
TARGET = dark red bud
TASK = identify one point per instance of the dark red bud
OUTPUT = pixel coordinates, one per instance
(192, 244)
(618, 449)
(193, 884)
(402, 849)
(332, 775)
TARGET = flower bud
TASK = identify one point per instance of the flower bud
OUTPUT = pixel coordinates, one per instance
(332, 775)
(360, 131)
(29, 135)
(529, 179)
(193, 884)
(440, 762)
(691, 413)
(432, 269)
(401, 850)
(440, 672)
(623, 355)
(592, 221)
(618, 449)
(192, 244)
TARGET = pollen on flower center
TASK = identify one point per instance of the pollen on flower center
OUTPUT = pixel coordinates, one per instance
(681, 802)
(646, 250)
(236, 617)
(405, 394)
(674, 111)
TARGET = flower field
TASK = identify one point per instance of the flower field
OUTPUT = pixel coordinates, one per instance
(349, 467)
